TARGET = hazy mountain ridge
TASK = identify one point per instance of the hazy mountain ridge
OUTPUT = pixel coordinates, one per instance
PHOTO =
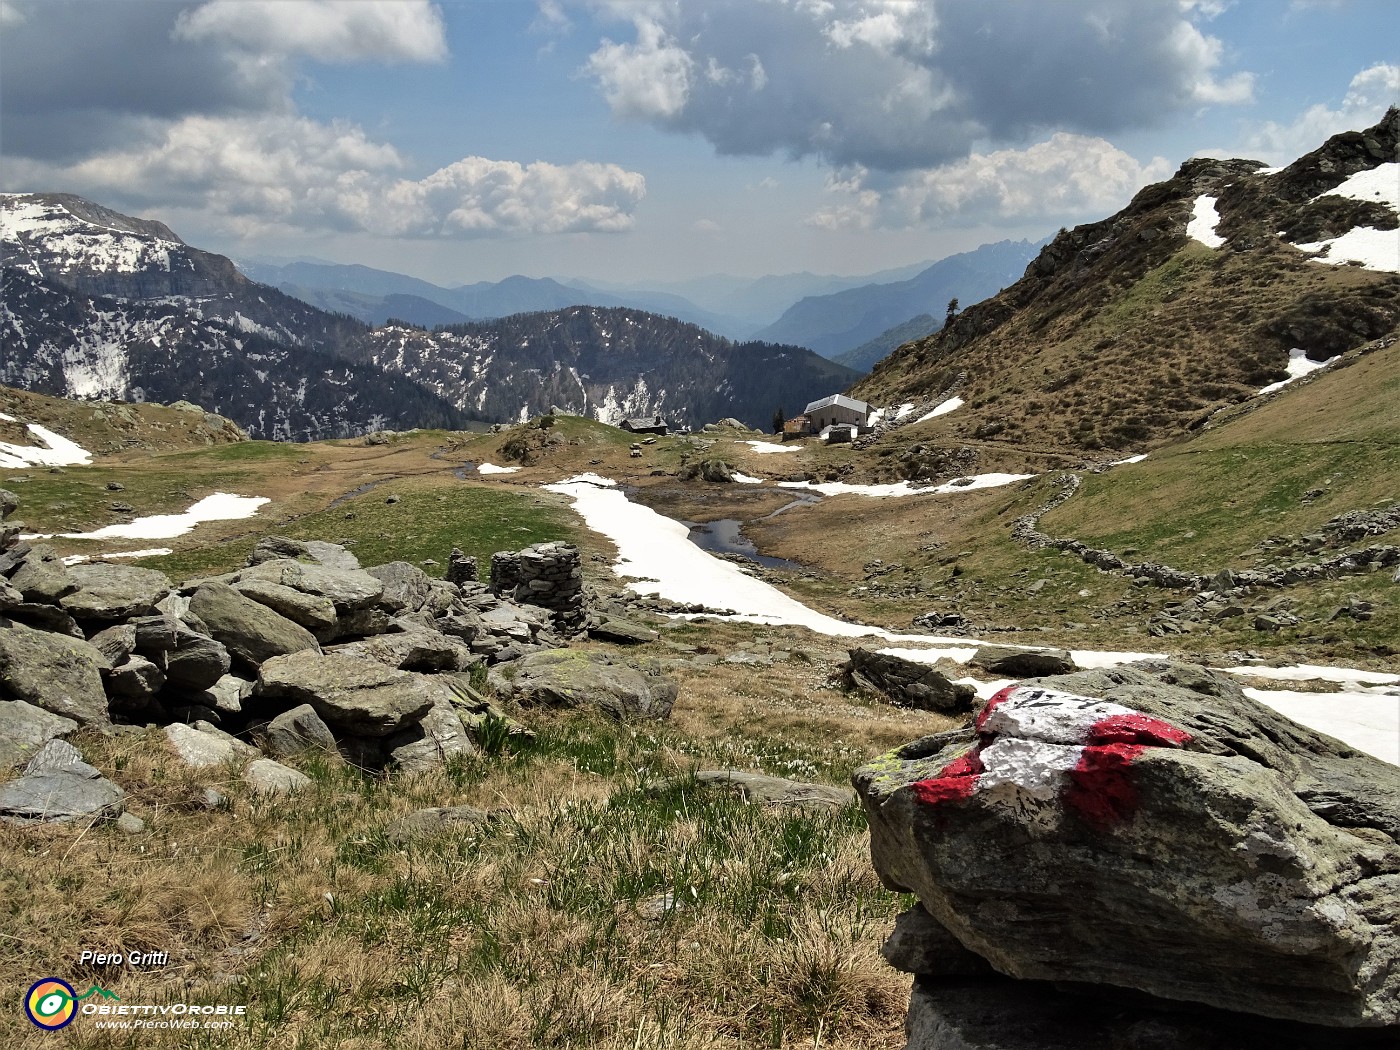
(842, 321)
(1129, 331)
(607, 363)
(374, 296)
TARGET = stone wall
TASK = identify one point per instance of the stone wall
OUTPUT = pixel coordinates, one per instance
(547, 575)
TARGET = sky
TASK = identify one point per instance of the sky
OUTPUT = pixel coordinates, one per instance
(655, 141)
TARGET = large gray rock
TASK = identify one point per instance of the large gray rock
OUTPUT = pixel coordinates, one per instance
(271, 548)
(266, 777)
(997, 1013)
(58, 785)
(1154, 829)
(59, 797)
(25, 728)
(199, 748)
(353, 695)
(135, 678)
(406, 587)
(252, 632)
(438, 736)
(42, 576)
(292, 732)
(1009, 662)
(347, 589)
(426, 823)
(578, 678)
(115, 643)
(313, 611)
(114, 592)
(189, 659)
(413, 650)
(907, 683)
(52, 671)
(762, 789)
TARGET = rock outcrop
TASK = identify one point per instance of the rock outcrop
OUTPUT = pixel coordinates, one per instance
(1152, 828)
(907, 683)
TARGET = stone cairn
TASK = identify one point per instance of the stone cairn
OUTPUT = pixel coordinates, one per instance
(547, 575)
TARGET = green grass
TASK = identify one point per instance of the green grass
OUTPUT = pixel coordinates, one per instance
(426, 523)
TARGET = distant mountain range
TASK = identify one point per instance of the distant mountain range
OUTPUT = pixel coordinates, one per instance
(375, 296)
(609, 363)
(841, 322)
(100, 304)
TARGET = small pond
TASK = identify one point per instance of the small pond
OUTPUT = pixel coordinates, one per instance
(726, 536)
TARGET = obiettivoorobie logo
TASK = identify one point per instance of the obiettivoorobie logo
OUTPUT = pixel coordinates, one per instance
(52, 1004)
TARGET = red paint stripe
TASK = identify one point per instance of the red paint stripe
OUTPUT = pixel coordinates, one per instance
(1136, 729)
(997, 698)
(955, 781)
(1101, 788)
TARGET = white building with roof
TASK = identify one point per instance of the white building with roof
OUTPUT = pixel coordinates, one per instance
(838, 408)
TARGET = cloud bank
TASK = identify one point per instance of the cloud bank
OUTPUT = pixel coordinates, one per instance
(160, 105)
(893, 85)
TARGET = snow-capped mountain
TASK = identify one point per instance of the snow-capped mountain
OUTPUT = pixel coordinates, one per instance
(99, 304)
(607, 363)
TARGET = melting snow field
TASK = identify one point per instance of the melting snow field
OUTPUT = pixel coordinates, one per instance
(1372, 248)
(1204, 219)
(904, 488)
(221, 506)
(150, 552)
(58, 450)
(766, 447)
(491, 468)
(1298, 366)
(654, 552)
(951, 405)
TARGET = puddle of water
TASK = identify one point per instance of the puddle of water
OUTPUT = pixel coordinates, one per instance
(726, 536)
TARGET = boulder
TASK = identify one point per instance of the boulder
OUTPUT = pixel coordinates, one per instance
(200, 748)
(42, 576)
(25, 728)
(426, 823)
(347, 589)
(52, 671)
(406, 587)
(623, 632)
(414, 650)
(252, 632)
(292, 732)
(353, 695)
(1008, 662)
(575, 678)
(115, 643)
(333, 555)
(438, 736)
(189, 659)
(997, 1013)
(776, 791)
(228, 694)
(313, 611)
(920, 944)
(114, 592)
(135, 678)
(266, 777)
(1152, 828)
(907, 683)
(58, 785)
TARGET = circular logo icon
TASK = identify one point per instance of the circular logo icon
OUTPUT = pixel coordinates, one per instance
(51, 1003)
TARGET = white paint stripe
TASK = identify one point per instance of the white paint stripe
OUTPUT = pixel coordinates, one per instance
(1051, 717)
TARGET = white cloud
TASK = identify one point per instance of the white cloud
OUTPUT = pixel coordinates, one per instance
(650, 78)
(1371, 91)
(896, 85)
(1066, 177)
(326, 30)
(705, 226)
(10, 15)
(252, 174)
